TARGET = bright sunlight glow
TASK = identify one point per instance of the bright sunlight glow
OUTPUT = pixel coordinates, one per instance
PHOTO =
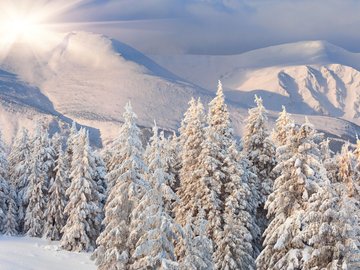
(30, 23)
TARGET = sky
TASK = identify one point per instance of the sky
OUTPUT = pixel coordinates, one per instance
(218, 26)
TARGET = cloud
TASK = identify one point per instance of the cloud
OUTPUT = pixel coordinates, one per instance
(221, 26)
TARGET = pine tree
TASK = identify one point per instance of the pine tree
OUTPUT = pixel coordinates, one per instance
(346, 172)
(301, 170)
(55, 217)
(329, 160)
(153, 232)
(41, 176)
(331, 230)
(4, 185)
(19, 168)
(100, 177)
(83, 209)
(11, 225)
(70, 143)
(192, 136)
(128, 186)
(156, 157)
(235, 248)
(34, 218)
(279, 134)
(172, 150)
(198, 247)
(260, 151)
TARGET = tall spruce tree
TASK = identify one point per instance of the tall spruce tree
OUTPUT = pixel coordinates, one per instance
(4, 185)
(300, 170)
(283, 123)
(198, 247)
(83, 209)
(19, 169)
(156, 157)
(11, 222)
(41, 171)
(127, 188)
(192, 136)
(54, 213)
(153, 231)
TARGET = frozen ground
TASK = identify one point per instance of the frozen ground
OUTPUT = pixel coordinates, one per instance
(23, 253)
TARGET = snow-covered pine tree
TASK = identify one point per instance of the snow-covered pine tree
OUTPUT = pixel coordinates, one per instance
(4, 185)
(157, 164)
(171, 154)
(346, 170)
(42, 175)
(153, 231)
(235, 248)
(128, 187)
(331, 229)
(198, 247)
(301, 170)
(56, 141)
(34, 218)
(70, 142)
(11, 225)
(100, 177)
(329, 160)
(191, 136)
(279, 134)
(54, 213)
(83, 209)
(70, 146)
(19, 168)
(260, 151)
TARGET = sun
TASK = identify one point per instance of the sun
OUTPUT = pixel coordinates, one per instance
(21, 28)
(34, 24)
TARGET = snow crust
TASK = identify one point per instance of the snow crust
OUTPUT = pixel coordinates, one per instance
(24, 253)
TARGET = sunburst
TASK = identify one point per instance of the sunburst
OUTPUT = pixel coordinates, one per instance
(33, 23)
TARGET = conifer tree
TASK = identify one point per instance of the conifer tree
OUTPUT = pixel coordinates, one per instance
(260, 151)
(331, 229)
(54, 214)
(279, 134)
(192, 136)
(100, 177)
(83, 209)
(172, 150)
(20, 167)
(128, 187)
(153, 232)
(346, 171)
(301, 170)
(198, 247)
(11, 225)
(34, 218)
(329, 160)
(70, 143)
(156, 157)
(4, 185)
(235, 248)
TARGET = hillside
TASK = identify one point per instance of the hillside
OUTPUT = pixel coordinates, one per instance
(88, 78)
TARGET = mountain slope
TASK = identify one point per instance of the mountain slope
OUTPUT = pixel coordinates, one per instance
(308, 77)
(88, 78)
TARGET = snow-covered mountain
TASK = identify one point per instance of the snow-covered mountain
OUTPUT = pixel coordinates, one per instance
(88, 78)
(312, 77)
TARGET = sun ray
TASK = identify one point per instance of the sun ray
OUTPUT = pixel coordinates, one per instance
(33, 23)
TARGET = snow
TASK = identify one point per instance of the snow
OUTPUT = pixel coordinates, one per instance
(24, 253)
(70, 82)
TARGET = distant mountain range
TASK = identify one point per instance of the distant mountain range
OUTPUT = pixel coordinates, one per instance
(89, 78)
